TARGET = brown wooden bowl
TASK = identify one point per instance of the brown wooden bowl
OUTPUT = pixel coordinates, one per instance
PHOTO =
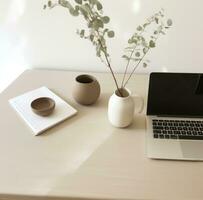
(43, 106)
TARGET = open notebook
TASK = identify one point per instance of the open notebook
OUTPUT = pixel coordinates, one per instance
(37, 123)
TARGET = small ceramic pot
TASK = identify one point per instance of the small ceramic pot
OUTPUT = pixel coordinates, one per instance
(43, 106)
(121, 109)
(86, 89)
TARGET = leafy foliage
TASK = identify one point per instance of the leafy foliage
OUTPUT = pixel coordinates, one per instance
(91, 11)
(138, 45)
(142, 40)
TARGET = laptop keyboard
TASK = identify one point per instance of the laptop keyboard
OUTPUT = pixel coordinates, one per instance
(178, 129)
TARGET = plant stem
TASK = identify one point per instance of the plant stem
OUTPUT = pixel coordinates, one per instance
(126, 68)
(136, 67)
(109, 65)
(107, 60)
(139, 62)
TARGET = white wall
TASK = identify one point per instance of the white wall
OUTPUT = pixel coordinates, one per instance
(33, 37)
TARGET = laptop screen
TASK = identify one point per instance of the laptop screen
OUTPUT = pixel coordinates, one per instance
(175, 94)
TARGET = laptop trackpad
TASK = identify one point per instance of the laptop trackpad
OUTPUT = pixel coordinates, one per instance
(192, 149)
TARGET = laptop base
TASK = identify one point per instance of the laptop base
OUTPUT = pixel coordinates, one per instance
(175, 149)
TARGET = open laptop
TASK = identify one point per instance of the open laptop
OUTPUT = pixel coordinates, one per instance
(175, 116)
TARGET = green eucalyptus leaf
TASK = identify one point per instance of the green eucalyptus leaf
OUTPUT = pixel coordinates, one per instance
(130, 41)
(93, 2)
(135, 59)
(145, 25)
(77, 7)
(157, 20)
(111, 34)
(78, 1)
(73, 12)
(87, 8)
(126, 57)
(135, 41)
(105, 31)
(98, 50)
(169, 22)
(105, 19)
(139, 28)
(103, 41)
(129, 48)
(144, 65)
(83, 11)
(45, 6)
(152, 44)
(66, 4)
(145, 50)
(137, 54)
(49, 3)
(90, 24)
(91, 37)
(97, 23)
(99, 6)
(82, 33)
(155, 32)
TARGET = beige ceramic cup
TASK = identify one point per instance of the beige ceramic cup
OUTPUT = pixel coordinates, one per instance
(86, 89)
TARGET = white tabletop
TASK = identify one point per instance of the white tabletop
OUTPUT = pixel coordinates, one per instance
(85, 157)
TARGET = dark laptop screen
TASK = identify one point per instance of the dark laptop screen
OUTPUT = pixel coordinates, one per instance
(175, 94)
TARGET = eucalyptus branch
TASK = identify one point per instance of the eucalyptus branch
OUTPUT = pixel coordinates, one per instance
(137, 65)
(140, 40)
(97, 32)
(128, 62)
(109, 65)
(113, 75)
(126, 68)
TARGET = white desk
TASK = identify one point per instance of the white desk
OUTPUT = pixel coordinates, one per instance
(85, 157)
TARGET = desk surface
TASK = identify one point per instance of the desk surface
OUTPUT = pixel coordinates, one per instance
(85, 156)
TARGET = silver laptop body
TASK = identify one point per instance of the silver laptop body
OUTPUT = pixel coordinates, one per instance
(174, 147)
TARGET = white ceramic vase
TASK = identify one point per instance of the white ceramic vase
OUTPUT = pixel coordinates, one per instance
(121, 109)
